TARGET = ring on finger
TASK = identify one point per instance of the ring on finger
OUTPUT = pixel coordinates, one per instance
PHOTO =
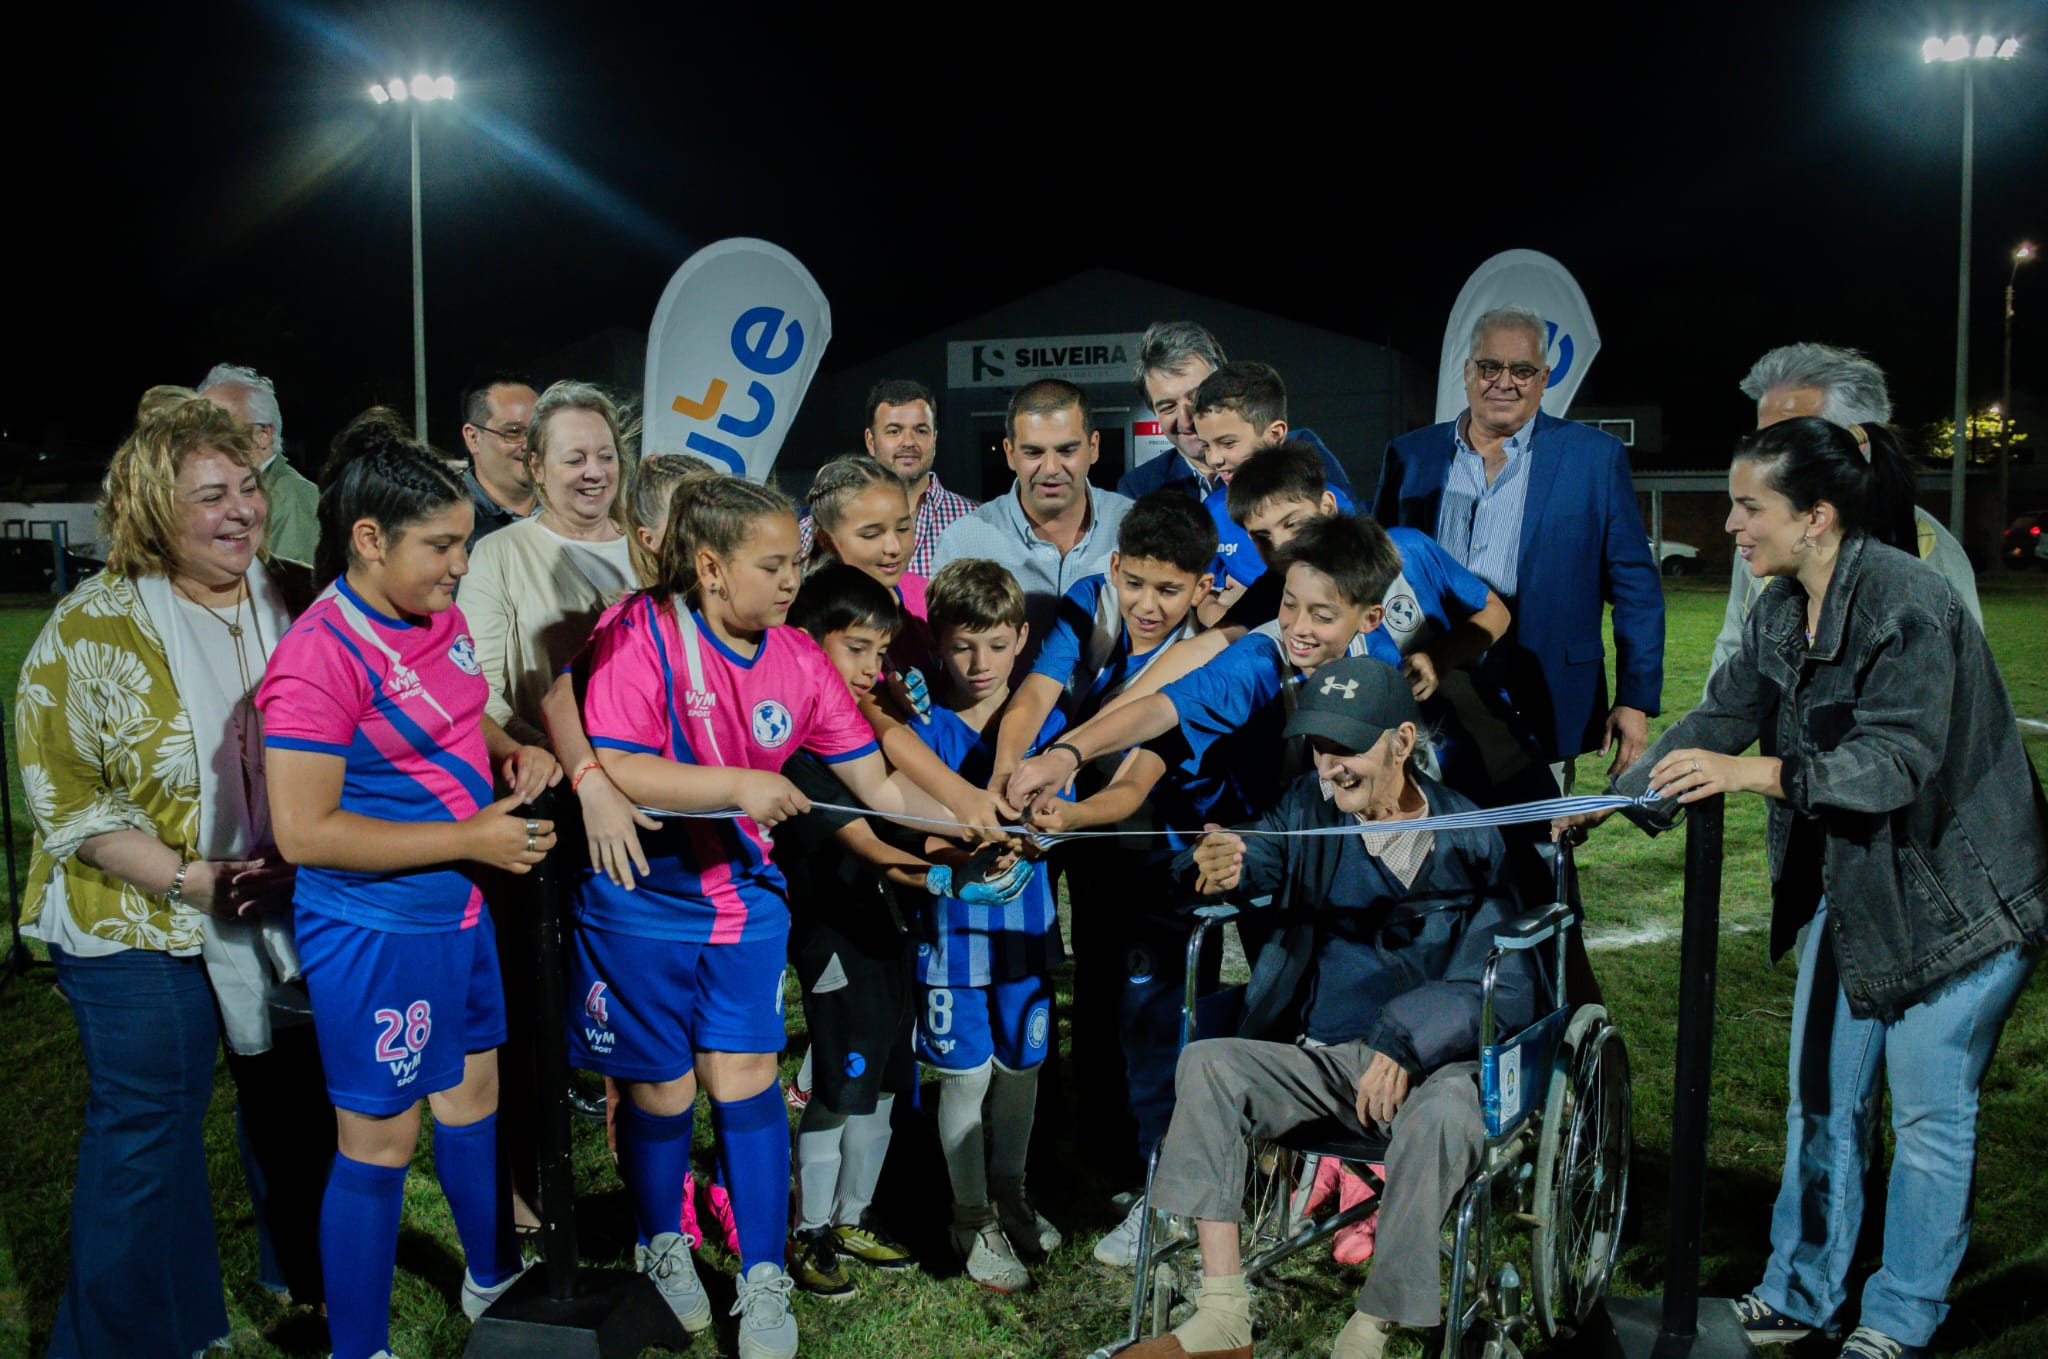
(1695, 766)
(529, 842)
(532, 827)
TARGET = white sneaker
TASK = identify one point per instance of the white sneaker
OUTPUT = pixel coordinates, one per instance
(667, 1261)
(1024, 1225)
(476, 1299)
(767, 1327)
(990, 1258)
(1119, 1246)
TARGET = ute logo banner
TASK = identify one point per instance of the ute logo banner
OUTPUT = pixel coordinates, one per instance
(1521, 278)
(734, 346)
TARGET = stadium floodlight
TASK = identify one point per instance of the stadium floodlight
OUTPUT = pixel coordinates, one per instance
(424, 89)
(1960, 48)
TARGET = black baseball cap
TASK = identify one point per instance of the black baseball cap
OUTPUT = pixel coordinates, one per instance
(1352, 702)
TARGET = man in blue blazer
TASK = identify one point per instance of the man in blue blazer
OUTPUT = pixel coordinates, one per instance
(1543, 510)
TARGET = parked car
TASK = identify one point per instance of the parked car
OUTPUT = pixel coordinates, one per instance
(1677, 559)
(2025, 543)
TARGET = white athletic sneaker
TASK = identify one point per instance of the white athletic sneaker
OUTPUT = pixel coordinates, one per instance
(1024, 1225)
(667, 1261)
(767, 1326)
(1119, 1247)
(990, 1258)
(476, 1299)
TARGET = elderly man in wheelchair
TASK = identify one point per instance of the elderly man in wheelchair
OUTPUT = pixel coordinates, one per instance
(1388, 971)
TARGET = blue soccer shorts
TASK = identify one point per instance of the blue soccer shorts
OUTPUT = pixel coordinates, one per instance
(641, 1009)
(396, 1014)
(961, 1027)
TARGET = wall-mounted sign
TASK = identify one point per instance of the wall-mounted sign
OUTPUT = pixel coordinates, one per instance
(1147, 442)
(1085, 360)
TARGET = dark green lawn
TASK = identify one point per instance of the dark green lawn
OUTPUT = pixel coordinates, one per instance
(1631, 886)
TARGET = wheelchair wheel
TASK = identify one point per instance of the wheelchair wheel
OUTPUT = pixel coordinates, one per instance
(1581, 1172)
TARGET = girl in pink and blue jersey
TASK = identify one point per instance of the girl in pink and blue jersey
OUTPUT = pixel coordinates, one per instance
(697, 695)
(379, 760)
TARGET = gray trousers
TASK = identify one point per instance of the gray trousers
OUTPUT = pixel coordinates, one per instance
(1229, 1091)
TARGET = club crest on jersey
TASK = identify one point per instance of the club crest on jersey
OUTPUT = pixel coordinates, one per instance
(1403, 613)
(1039, 1028)
(463, 653)
(698, 703)
(772, 724)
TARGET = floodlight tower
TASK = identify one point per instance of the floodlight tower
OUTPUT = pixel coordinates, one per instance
(422, 89)
(1967, 52)
(2021, 255)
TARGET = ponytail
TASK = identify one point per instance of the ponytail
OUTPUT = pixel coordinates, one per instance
(377, 471)
(1862, 470)
(647, 506)
(715, 512)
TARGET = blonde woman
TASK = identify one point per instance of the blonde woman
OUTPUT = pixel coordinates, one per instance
(157, 891)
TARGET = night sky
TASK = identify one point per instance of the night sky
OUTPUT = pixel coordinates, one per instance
(195, 183)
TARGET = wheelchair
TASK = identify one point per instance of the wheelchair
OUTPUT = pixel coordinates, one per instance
(1554, 1168)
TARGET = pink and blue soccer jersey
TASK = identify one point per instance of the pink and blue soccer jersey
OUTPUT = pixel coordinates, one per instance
(690, 698)
(401, 704)
(967, 945)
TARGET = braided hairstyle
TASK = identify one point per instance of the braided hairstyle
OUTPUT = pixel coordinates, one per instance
(378, 472)
(836, 486)
(647, 506)
(716, 513)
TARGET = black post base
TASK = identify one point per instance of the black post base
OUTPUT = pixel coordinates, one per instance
(615, 1314)
(1633, 1328)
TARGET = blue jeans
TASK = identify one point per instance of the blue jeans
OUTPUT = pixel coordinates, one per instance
(145, 1272)
(1936, 1054)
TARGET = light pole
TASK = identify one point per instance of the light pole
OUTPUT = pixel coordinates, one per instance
(2020, 256)
(1968, 52)
(422, 90)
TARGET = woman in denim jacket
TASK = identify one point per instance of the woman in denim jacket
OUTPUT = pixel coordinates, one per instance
(1904, 835)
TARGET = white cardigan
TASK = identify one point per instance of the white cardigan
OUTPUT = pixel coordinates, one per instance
(530, 610)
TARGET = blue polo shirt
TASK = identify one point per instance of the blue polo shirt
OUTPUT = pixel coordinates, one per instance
(1001, 532)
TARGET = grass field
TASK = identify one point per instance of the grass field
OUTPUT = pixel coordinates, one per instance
(1632, 889)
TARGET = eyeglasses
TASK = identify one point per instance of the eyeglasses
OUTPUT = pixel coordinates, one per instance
(1491, 369)
(511, 434)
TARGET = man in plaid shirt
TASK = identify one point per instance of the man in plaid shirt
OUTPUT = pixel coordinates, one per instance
(902, 434)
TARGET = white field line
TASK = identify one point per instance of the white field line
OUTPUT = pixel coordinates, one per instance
(1656, 932)
(2033, 724)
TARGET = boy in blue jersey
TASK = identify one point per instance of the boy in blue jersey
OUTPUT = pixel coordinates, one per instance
(1240, 410)
(1334, 575)
(1109, 630)
(851, 952)
(984, 1018)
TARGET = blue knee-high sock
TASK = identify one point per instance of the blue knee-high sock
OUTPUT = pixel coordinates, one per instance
(654, 1155)
(479, 1196)
(753, 1154)
(358, 1251)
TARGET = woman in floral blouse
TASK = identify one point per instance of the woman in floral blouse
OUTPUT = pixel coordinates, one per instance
(154, 883)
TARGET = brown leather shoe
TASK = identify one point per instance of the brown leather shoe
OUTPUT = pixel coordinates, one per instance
(1168, 1347)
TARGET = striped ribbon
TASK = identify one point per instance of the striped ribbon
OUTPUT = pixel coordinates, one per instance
(1520, 813)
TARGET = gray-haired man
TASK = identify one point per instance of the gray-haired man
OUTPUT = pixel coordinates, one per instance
(1173, 358)
(1845, 388)
(292, 528)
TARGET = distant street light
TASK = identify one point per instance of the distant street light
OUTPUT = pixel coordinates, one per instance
(423, 90)
(2020, 256)
(1959, 48)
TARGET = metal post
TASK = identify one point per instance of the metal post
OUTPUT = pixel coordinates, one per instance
(1678, 1327)
(1962, 439)
(2004, 444)
(563, 1311)
(418, 291)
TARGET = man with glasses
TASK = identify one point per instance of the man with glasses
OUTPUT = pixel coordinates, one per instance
(495, 417)
(1544, 511)
(292, 527)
